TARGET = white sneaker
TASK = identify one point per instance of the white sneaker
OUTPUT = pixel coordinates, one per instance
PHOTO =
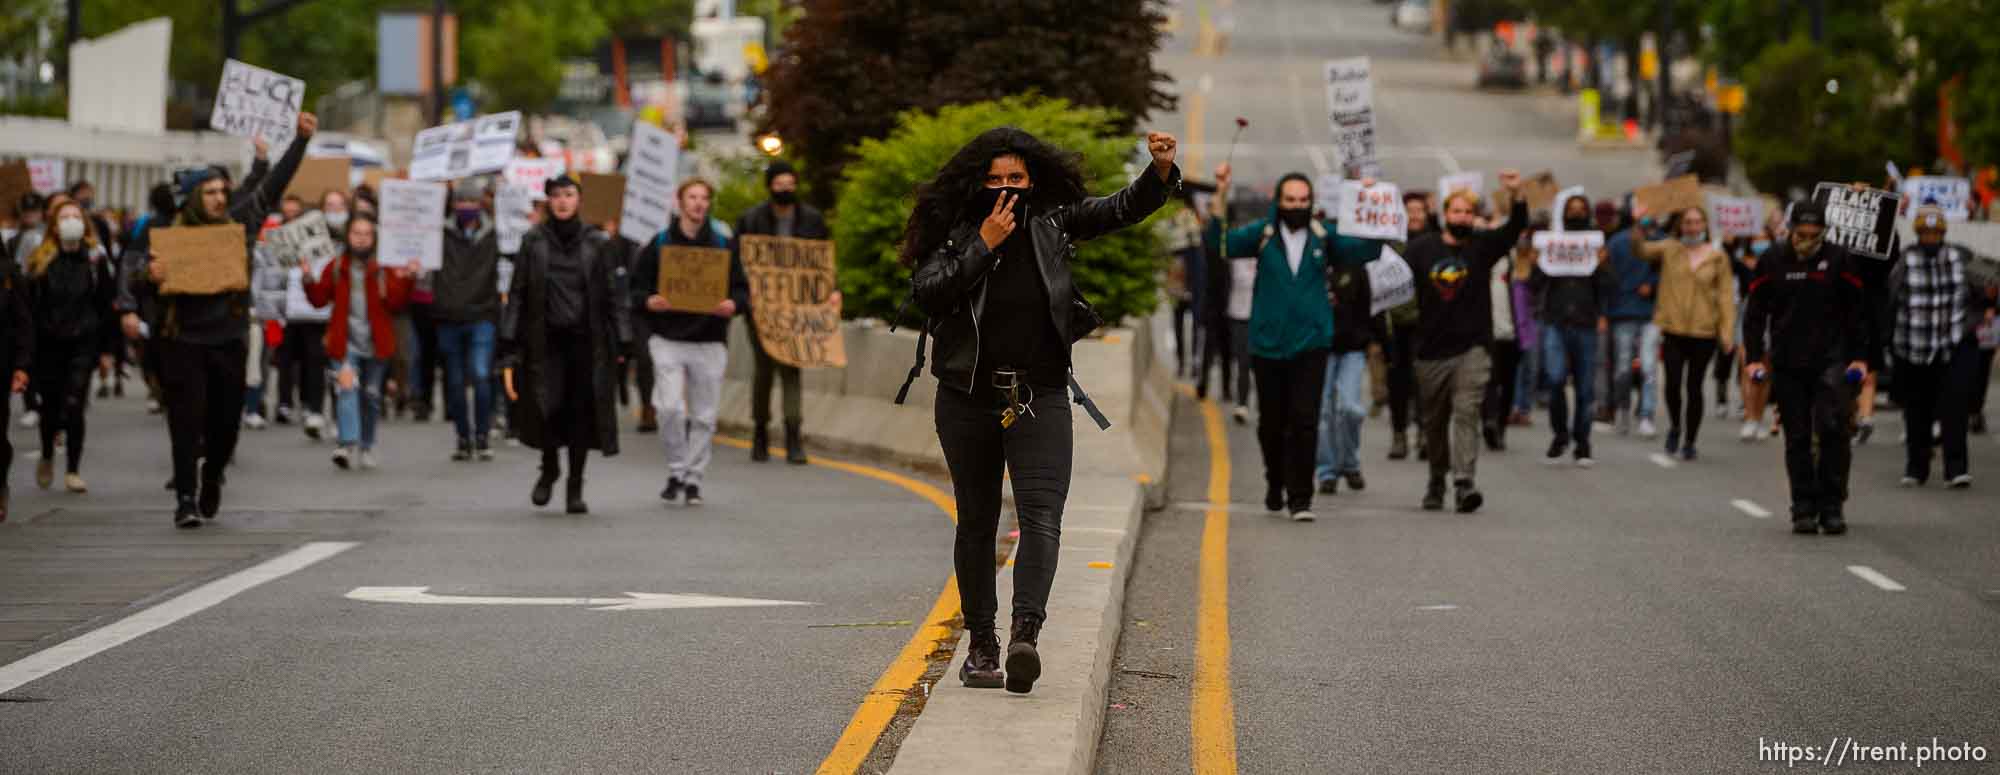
(1242, 416)
(315, 425)
(1646, 429)
(152, 406)
(341, 456)
(368, 461)
(1750, 431)
(254, 421)
(31, 419)
(1303, 516)
(1908, 481)
(1961, 481)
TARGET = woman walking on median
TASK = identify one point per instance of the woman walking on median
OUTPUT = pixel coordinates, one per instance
(361, 339)
(1696, 314)
(990, 240)
(561, 332)
(71, 288)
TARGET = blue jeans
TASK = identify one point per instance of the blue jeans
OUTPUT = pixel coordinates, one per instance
(357, 407)
(1635, 339)
(468, 355)
(1569, 353)
(1528, 378)
(1341, 410)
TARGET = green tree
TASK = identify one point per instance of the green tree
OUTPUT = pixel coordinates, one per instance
(1118, 272)
(850, 66)
(1947, 45)
(1797, 132)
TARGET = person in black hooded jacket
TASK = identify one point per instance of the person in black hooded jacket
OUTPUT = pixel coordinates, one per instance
(71, 287)
(202, 338)
(784, 216)
(17, 353)
(1004, 312)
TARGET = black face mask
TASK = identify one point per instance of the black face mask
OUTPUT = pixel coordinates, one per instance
(1459, 230)
(1295, 218)
(788, 198)
(982, 203)
(1577, 223)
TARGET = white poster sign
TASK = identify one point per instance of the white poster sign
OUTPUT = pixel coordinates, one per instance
(1375, 212)
(476, 147)
(412, 229)
(1350, 101)
(651, 173)
(1735, 216)
(513, 208)
(1242, 282)
(47, 175)
(1390, 282)
(297, 306)
(1953, 195)
(1570, 254)
(304, 240)
(1469, 181)
(530, 173)
(255, 102)
(1326, 194)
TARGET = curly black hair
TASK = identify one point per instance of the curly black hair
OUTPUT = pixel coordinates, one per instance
(1056, 175)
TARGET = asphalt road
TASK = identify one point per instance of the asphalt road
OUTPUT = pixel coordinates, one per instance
(1627, 618)
(293, 676)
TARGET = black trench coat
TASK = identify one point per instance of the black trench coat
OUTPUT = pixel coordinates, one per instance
(524, 342)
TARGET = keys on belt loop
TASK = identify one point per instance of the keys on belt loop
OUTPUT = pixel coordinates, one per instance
(1010, 381)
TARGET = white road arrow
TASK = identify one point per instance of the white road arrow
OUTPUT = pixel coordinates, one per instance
(632, 601)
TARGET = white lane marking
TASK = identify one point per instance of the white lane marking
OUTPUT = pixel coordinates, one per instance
(1662, 460)
(82, 647)
(1751, 508)
(1875, 577)
(1440, 607)
(632, 601)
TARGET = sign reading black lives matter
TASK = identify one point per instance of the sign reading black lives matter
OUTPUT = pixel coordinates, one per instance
(1862, 220)
(1350, 103)
(255, 102)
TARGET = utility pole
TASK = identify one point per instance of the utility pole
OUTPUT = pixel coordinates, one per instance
(72, 32)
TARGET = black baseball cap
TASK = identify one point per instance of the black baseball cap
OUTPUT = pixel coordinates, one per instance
(1808, 214)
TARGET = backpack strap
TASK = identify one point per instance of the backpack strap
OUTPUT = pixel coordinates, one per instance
(917, 369)
(1083, 400)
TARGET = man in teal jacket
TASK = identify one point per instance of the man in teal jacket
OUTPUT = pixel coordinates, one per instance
(1291, 330)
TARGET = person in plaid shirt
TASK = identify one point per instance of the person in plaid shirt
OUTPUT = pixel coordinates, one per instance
(1937, 306)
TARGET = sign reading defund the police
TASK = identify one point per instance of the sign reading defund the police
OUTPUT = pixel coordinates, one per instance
(1862, 220)
(791, 281)
(1350, 103)
(255, 102)
(1391, 284)
(1568, 254)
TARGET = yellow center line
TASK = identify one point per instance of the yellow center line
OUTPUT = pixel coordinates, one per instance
(1214, 707)
(879, 706)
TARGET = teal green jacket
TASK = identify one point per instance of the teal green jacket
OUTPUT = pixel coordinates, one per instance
(1291, 313)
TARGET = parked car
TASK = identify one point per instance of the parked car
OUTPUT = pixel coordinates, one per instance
(1503, 69)
(1411, 15)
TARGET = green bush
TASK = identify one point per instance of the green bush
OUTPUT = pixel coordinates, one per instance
(1795, 133)
(739, 186)
(1118, 273)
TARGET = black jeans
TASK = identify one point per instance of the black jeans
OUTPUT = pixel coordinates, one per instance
(1939, 392)
(1402, 352)
(1814, 403)
(62, 382)
(1288, 393)
(1982, 379)
(766, 370)
(1036, 454)
(203, 384)
(1218, 352)
(302, 366)
(1686, 359)
(1499, 401)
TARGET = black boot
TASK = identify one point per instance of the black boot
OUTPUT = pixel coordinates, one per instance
(186, 513)
(1399, 446)
(1024, 663)
(982, 661)
(211, 489)
(1434, 495)
(545, 484)
(795, 443)
(1467, 496)
(760, 443)
(573, 496)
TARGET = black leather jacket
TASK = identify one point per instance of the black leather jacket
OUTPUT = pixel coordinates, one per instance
(950, 285)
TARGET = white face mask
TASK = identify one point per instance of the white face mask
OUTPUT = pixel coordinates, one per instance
(337, 220)
(69, 229)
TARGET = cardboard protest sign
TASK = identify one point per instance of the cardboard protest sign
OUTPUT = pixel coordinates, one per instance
(412, 224)
(373, 177)
(1561, 200)
(1375, 212)
(693, 279)
(1570, 254)
(15, 182)
(47, 175)
(318, 175)
(305, 240)
(791, 281)
(202, 259)
(1953, 195)
(1735, 216)
(513, 210)
(603, 198)
(1540, 191)
(1861, 220)
(466, 148)
(255, 102)
(1469, 181)
(651, 173)
(1350, 102)
(1662, 200)
(1390, 282)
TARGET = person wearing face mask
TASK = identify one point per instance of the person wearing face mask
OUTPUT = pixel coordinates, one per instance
(29, 227)
(1936, 310)
(1454, 326)
(990, 241)
(1696, 315)
(468, 302)
(784, 216)
(361, 339)
(202, 337)
(1634, 336)
(1808, 303)
(1399, 343)
(561, 332)
(689, 349)
(111, 379)
(138, 244)
(302, 363)
(1756, 394)
(1572, 311)
(71, 288)
(1291, 333)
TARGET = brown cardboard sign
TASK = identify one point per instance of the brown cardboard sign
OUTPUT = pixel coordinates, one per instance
(791, 282)
(202, 259)
(1662, 200)
(319, 175)
(15, 182)
(693, 279)
(603, 197)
